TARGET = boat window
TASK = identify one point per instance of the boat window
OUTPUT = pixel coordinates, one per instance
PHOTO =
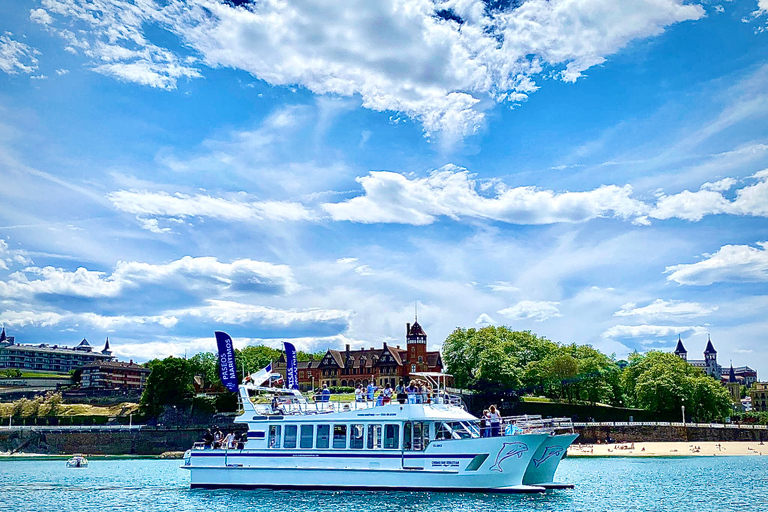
(306, 436)
(340, 436)
(274, 436)
(374, 437)
(290, 437)
(416, 436)
(472, 427)
(391, 437)
(443, 432)
(459, 430)
(323, 436)
(356, 435)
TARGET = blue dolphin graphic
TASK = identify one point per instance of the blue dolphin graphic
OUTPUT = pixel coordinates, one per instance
(549, 452)
(508, 450)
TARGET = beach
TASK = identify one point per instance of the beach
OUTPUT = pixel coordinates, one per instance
(667, 449)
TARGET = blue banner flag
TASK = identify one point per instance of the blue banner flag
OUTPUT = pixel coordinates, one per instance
(292, 371)
(227, 368)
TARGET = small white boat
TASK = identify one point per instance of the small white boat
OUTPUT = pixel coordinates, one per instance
(421, 445)
(77, 461)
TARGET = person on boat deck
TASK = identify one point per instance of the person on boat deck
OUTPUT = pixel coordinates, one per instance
(402, 396)
(411, 390)
(484, 424)
(326, 396)
(371, 390)
(495, 421)
(425, 392)
(359, 393)
(217, 436)
(386, 394)
(208, 438)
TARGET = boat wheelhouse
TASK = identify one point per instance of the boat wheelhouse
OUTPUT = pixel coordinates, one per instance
(432, 444)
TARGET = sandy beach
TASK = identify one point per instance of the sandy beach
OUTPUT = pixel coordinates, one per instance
(667, 449)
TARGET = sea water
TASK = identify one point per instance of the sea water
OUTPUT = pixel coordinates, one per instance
(694, 484)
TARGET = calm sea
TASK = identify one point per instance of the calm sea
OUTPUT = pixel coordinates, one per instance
(697, 484)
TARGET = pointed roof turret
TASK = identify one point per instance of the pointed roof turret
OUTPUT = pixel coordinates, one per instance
(3, 337)
(84, 343)
(710, 349)
(731, 374)
(680, 349)
(106, 348)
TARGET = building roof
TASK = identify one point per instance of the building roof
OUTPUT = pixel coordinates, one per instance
(115, 365)
(416, 330)
(54, 350)
(680, 349)
(710, 349)
(84, 343)
(3, 337)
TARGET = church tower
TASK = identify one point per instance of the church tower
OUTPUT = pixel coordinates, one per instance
(710, 360)
(680, 349)
(416, 340)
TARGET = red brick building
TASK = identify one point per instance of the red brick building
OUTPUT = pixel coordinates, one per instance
(114, 375)
(382, 366)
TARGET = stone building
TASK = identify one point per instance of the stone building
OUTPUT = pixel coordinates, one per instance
(114, 375)
(382, 366)
(45, 357)
(708, 364)
(759, 396)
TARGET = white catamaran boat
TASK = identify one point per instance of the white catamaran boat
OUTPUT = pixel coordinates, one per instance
(437, 445)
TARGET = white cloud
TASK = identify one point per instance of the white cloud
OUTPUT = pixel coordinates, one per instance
(709, 200)
(538, 310)
(16, 57)
(484, 319)
(62, 71)
(111, 33)
(659, 331)
(186, 273)
(228, 312)
(666, 309)
(179, 206)
(40, 16)
(732, 263)
(9, 257)
(397, 55)
(503, 287)
(450, 191)
(108, 323)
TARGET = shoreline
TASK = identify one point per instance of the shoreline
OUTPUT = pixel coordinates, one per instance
(670, 449)
(57, 456)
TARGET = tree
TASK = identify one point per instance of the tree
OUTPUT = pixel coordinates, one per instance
(170, 383)
(662, 382)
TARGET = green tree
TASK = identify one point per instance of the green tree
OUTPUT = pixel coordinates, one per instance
(662, 382)
(170, 383)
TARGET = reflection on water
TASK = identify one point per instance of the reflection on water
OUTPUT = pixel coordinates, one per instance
(719, 484)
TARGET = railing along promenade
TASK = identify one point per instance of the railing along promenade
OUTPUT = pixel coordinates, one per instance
(73, 428)
(666, 424)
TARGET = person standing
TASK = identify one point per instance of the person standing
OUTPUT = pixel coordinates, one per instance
(387, 394)
(359, 393)
(495, 421)
(371, 390)
(402, 395)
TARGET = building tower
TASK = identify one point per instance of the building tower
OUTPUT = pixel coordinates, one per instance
(680, 349)
(106, 351)
(710, 360)
(416, 340)
(734, 387)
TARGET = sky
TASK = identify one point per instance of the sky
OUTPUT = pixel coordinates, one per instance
(593, 171)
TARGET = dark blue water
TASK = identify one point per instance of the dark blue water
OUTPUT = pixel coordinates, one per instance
(695, 484)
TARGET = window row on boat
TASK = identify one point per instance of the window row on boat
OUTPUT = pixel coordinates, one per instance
(411, 435)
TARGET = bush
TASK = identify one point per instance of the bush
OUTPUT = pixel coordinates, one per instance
(341, 389)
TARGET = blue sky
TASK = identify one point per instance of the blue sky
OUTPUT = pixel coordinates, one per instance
(596, 172)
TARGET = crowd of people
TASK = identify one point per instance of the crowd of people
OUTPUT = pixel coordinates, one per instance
(216, 439)
(415, 392)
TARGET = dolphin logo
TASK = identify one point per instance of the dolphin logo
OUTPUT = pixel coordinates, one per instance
(508, 450)
(549, 452)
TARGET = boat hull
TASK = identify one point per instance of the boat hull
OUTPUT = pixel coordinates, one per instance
(543, 465)
(471, 465)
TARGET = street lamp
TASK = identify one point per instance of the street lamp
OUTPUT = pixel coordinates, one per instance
(682, 408)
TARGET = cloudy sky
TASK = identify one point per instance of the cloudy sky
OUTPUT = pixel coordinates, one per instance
(593, 171)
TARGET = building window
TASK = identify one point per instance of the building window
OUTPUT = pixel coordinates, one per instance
(413, 368)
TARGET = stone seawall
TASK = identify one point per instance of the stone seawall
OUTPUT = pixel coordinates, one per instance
(619, 434)
(144, 441)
